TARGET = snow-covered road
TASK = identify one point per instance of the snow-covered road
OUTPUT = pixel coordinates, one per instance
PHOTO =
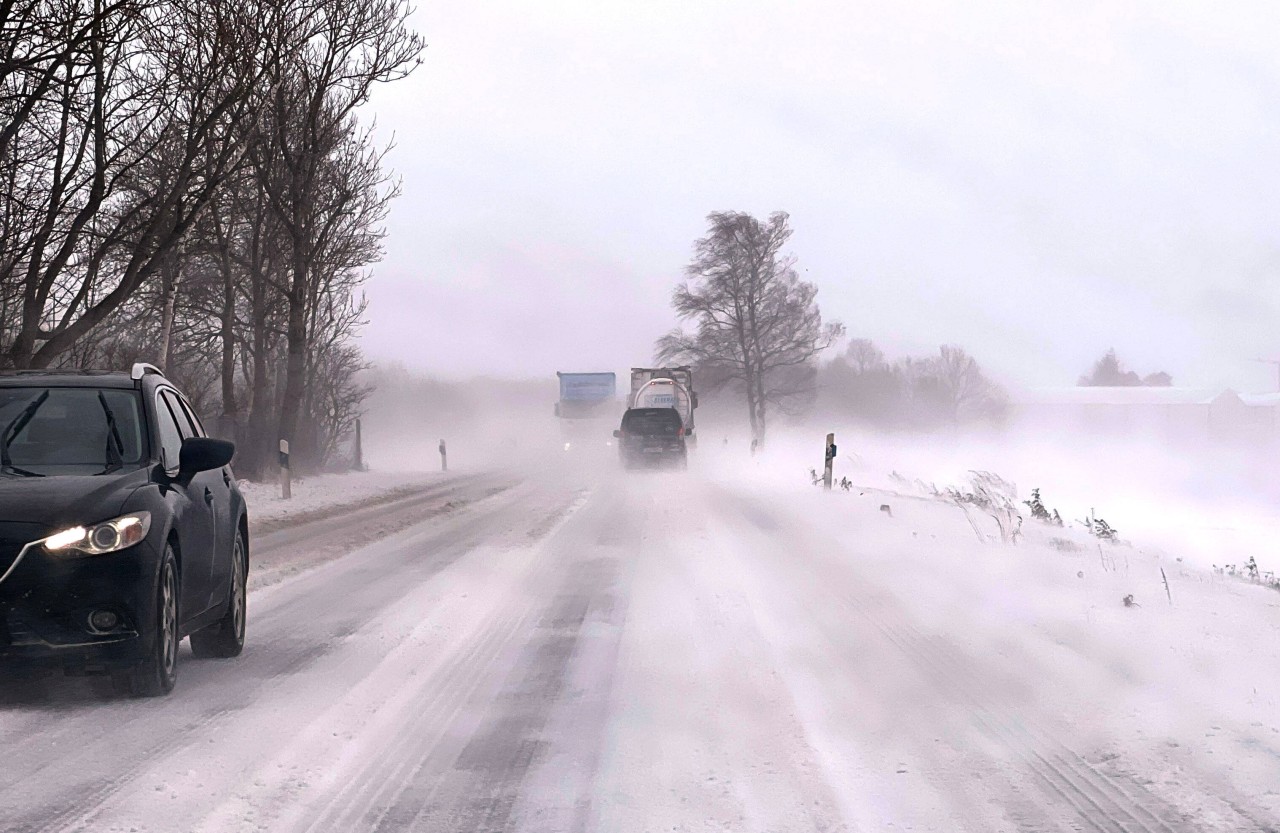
(560, 653)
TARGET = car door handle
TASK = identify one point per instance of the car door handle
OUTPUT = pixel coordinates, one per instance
(208, 498)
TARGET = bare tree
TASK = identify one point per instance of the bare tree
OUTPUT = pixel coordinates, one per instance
(317, 84)
(185, 181)
(755, 322)
(121, 141)
(38, 38)
(863, 356)
(1109, 371)
(964, 389)
(861, 383)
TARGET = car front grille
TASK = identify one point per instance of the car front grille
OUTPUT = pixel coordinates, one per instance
(16, 631)
(14, 536)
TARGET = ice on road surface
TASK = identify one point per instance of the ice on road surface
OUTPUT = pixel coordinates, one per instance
(662, 652)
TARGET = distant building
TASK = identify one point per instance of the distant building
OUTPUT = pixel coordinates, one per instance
(1266, 410)
(1167, 412)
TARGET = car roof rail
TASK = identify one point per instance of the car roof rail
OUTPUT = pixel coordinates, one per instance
(141, 369)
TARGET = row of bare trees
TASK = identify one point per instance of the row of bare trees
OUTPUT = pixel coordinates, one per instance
(944, 390)
(186, 182)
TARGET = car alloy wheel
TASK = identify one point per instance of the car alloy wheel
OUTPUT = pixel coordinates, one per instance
(225, 638)
(169, 621)
(239, 593)
(156, 674)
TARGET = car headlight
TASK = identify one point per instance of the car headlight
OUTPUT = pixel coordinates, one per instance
(99, 539)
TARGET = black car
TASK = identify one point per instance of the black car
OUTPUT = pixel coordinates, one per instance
(122, 529)
(652, 437)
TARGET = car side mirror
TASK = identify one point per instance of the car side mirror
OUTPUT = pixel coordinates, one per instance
(617, 434)
(204, 454)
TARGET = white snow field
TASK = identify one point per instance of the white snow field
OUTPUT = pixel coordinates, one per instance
(561, 651)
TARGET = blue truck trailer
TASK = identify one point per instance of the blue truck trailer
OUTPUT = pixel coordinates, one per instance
(588, 408)
(587, 395)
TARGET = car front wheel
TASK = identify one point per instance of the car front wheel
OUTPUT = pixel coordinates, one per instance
(155, 676)
(225, 638)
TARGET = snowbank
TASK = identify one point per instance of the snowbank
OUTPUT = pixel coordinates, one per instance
(1206, 505)
(313, 495)
(1179, 688)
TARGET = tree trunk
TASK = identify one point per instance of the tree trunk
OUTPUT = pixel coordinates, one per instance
(169, 287)
(230, 409)
(260, 400)
(22, 353)
(760, 404)
(762, 420)
(296, 363)
(751, 407)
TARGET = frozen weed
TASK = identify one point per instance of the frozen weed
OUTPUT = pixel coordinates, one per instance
(1040, 512)
(1250, 573)
(995, 497)
(1099, 528)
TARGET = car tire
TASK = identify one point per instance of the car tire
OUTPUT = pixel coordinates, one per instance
(225, 638)
(156, 675)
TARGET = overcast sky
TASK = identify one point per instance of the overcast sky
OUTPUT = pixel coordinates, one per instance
(1035, 181)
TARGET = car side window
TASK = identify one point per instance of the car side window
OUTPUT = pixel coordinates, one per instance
(185, 426)
(170, 436)
(190, 413)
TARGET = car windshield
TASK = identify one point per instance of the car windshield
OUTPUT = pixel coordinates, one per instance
(48, 432)
(652, 423)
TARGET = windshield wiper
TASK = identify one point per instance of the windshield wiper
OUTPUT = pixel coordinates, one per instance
(5, 468)
(115, 446)
(11, 432)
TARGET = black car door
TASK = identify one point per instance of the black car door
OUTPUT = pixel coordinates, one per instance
(193, 511)
(218, 482)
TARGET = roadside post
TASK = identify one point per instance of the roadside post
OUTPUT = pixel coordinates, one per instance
(444, 457)
(286, 490)
(829, 459)
(359, 450)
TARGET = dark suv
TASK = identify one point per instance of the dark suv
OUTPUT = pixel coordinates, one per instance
(652, 437)
(121, 528)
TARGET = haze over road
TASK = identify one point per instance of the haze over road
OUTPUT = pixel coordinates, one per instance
(558, 652)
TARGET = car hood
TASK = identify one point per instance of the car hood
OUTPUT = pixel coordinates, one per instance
(67, 501)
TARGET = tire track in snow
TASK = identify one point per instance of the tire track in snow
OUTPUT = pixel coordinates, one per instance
(422, 726)
(77, 793)
(703, 733)
(332, 533)
(488, 786)
(467, 765)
